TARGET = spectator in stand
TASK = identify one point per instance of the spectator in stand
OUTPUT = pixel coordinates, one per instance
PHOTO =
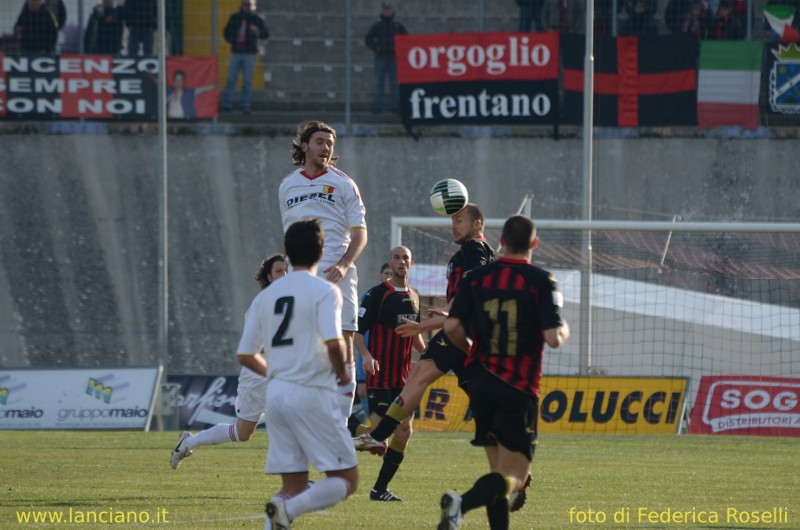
(679, 13)
(530, 15)
(697, 21)
(243, 31)
(380, 39)
(603, 16)
(727, 26)
(36, 28)
(570, 15)
(56, 7)
(640, 20)
(104, 31)
(141, 17)
(739, 9)
(673, 13)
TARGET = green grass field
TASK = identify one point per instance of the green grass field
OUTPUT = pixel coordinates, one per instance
(224, 487)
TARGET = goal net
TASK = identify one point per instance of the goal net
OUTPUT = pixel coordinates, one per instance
(678, 301)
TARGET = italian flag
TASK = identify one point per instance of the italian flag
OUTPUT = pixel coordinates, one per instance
(728, 83)
(780, 19)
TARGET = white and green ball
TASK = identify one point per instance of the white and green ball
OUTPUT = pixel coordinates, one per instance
(449, 196)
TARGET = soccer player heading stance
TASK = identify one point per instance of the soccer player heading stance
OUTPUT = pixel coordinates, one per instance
(513, 308)
(318, 189)
(440, 356)
(298, 323)
(387, 357)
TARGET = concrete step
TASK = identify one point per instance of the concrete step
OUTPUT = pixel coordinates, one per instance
(299, 50)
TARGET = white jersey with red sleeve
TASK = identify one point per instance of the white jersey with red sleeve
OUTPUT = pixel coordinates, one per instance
(292, 320)
(333, 198)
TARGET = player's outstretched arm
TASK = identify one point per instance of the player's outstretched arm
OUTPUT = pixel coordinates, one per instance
(418, 343)
(411, 328)
(454, 329)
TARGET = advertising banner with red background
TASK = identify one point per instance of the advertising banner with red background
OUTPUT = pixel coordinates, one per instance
(750, 405)
(102, 87)
(478, 78)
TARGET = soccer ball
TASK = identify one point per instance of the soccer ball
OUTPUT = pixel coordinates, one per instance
(449, 196)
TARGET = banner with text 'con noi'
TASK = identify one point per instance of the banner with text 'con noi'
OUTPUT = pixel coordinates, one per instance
(102, 87)
(747, 405)
(478, 78)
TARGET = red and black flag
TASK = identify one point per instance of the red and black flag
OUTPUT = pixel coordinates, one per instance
(638, 81)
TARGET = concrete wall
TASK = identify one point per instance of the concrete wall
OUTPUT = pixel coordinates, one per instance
(79, 221)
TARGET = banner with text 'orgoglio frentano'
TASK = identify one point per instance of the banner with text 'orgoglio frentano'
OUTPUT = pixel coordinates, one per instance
(478, 78)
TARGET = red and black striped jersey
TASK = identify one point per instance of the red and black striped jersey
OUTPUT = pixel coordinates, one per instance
(382, 310)
(508, 304)
(472, 254)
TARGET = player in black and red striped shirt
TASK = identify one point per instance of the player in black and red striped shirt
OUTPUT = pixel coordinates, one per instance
(511, 308)
(440, 356)
(387, 358)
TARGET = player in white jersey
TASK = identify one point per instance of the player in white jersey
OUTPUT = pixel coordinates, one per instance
(298, 324)
(249, 394)
(317, 189)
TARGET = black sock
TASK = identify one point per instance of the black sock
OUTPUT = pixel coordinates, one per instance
(498, 514)
(391, 461)
(393, 417)
(352, 425)
(384, 429)
(486, 491)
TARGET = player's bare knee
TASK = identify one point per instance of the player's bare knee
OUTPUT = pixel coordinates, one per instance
(403, 431)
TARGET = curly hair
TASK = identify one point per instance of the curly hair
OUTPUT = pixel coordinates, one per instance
(264, 271)
(303, 135)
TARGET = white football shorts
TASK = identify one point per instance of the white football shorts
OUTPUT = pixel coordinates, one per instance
(250, 396)
(306, 427)
(348, 285)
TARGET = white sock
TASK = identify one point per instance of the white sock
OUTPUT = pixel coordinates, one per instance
(218, 434)
(319, 495)
(348, 392)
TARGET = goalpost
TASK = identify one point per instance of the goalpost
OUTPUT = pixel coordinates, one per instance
(666, 299)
